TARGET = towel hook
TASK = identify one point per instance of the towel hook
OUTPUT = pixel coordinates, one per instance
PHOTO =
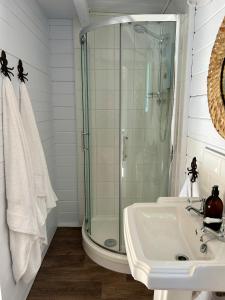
(22, 76)
(4, 68)
(193, 170)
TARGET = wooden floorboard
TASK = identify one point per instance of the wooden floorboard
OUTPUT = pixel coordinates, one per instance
(67, 273)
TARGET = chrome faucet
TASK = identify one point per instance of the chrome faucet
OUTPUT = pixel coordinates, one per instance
(219, 235)
(197, 211)
(206, 231)
(212, 235)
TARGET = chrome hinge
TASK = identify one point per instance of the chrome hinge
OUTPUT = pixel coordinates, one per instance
(171, 154)
(83, 141)
(124, 152)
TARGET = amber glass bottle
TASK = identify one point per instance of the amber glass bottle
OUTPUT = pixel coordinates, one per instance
(213, 209)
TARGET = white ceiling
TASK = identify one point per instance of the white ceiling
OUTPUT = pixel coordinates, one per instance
(66, 9)
(61, 9)
(127, 6)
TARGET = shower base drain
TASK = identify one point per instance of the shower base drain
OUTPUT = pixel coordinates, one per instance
(110, 243)
(181, 257)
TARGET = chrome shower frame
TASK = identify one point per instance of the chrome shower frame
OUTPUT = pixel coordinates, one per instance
(130, 19)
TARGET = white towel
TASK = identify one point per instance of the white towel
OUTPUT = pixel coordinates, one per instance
(46, 198)
(43, 184)
(189, 189)
(24, 229)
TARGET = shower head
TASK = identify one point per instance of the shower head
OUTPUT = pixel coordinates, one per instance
(139, 28)
(142, 29)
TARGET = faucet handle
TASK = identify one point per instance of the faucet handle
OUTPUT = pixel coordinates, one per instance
(218, 234)
(202, 204)
(222, 226)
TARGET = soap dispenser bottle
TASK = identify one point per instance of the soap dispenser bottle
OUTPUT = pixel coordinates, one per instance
(213, 210)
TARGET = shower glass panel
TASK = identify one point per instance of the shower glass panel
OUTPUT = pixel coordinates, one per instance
(127, 83)
(147, 59)
(102, 117)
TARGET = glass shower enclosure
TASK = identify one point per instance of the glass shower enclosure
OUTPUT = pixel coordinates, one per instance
(128, 104)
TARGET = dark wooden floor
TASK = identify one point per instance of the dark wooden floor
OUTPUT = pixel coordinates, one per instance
(68, 274)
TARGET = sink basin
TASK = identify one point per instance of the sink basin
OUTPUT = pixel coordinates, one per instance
(157, 235)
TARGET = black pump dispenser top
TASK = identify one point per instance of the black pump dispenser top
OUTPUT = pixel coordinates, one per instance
(215, 191)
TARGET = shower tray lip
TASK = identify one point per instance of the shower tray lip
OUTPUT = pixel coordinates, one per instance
(103, 257)
(154, 263)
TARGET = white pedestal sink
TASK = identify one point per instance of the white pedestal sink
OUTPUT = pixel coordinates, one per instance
(156, 236)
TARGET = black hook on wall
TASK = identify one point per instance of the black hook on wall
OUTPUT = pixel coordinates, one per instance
(22, 76)
(4, 68)
(193, 170)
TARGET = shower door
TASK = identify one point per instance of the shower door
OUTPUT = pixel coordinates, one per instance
(147, 59)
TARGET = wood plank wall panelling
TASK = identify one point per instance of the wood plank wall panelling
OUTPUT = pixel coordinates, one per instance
(63, 98)
(24, 34)
(201, 132)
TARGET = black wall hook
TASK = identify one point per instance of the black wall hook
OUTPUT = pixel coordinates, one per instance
(4, 62)
(193, 170)
(22, 76)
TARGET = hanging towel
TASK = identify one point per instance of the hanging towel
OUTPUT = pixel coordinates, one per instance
(189, 189)
(46, 196)
(24, 228)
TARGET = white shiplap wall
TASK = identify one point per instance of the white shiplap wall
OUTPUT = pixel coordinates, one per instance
(63, 98)
(24, 34)
(201, 133)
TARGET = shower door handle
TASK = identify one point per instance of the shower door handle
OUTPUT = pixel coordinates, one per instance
(124, 152)
(83, 141)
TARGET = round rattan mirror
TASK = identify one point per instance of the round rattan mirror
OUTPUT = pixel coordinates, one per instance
(216, 82)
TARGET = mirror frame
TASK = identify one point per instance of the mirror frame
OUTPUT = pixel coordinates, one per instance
(222, 81)
(215, 90)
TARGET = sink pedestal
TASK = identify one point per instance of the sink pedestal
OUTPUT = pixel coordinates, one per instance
(172, 295)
